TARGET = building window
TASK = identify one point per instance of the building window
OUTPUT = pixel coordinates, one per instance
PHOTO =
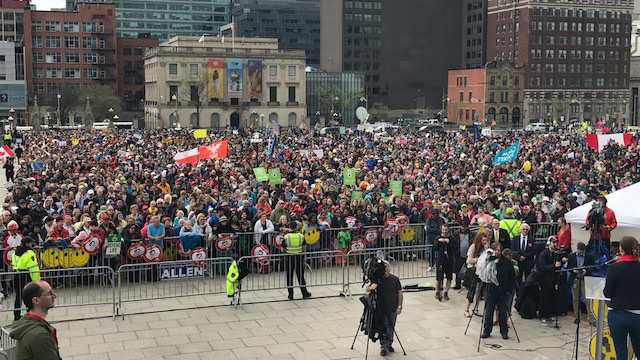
(599, 81)
(89, 27)
(516, 81)
(126, 50)
(292, 121)
(491, 97)
(173, 91)
(90, 73)
(53, 73)
(38, 87)
(37, 57)
(38, 73)
(89, 58)
(291, 70)
(71, 42)
(215, 120)
(273, 94)
(292, 94)
(53, 58)
(492, 80)
(71, 73)
(52, 26)
(71, 26)
(461, 96)
(470, 96)
(52, 42)
(173, 69)
(89, 42)
(72, 58)
(273, 70)
(193, 69)
(504, 81)
(36, 41)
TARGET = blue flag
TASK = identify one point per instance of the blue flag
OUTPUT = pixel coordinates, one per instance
(272, 148)
(507, 155)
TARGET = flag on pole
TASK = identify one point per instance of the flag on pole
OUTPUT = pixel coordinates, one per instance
(6, 151)
(243, 42)
(223, 39)
(599, 142)
(187, 157)
(217, 150)
(276, 127)
(229, 26)
(201, 39)
(272, 147)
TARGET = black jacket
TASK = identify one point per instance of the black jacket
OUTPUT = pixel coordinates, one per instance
(446, 252)
(622, 287)
(527, 252)
(506, 277)
(547, 268)
(503, 238)
(572, 261)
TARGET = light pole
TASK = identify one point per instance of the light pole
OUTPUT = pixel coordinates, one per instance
(59, 112)
(174, 98)
(109, 119)
(366, 102)
(318, 117)
(262, 121)
(254, 118)
(11, 113)
(576, 101)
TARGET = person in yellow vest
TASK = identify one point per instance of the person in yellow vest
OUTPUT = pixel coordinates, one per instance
(7, 139)
(510, 224)
(25, 264)
(295, 247)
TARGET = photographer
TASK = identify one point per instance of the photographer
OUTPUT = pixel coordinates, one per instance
(580, 258)
(601, 221)
(549, 261)
(497, 295)
(389, 305)
(446, 249)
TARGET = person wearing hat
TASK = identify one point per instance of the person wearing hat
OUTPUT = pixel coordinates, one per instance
(295, 246)
(548, 263)
(25, 264)
(278, 212)
(604, 231)
(510, 224)
(14, 239)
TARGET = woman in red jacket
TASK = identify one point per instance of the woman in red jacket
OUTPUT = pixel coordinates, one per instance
(564, 236)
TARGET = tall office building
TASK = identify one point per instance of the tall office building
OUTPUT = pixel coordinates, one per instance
(404, 47)
(295, 23)
(576, 55)
(474, 35)
(13, 87)
(165, 19)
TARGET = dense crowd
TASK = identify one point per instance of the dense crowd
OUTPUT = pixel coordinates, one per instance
(67, 185)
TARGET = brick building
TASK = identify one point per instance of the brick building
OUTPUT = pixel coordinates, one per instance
(131, 73)
(465, 104)
(575, 53)
(76, 49)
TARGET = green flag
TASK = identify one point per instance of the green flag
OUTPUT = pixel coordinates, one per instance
(356, 195)
(349, 175)
(396, 187)
(261, 174)
(274, 176)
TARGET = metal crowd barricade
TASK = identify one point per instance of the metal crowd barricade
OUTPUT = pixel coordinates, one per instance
(171, 279)
(75, 287)
(7, 346)
(322, 268)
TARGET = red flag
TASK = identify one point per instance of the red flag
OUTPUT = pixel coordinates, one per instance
(217, 150)
(599, 142)
(6, 151)
(187, 157)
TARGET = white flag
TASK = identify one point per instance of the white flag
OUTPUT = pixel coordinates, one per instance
(223, 39)
(201, 39)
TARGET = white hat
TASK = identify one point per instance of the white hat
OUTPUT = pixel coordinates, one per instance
(545, 198)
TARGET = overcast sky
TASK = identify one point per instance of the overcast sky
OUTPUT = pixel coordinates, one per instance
(48, 4)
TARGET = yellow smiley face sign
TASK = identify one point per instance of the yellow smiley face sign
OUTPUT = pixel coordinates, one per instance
(170, 255)
(80, 257)
(75, 142)
(50, 257)
(406, 233)
(66, 258)
(312, 235)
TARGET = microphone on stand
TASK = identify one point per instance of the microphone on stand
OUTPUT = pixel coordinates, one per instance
(612, 260)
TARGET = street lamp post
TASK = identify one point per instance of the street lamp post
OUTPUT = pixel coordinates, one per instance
(262, 121)
(174, 98)
(11, 118)
(59, 111)
(318, 117)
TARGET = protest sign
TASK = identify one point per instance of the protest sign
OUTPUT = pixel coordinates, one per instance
(396, 187)
(349, 175)
(275, 178)
(113, 245)
(261, 174)
(507, 155)
(356, 195)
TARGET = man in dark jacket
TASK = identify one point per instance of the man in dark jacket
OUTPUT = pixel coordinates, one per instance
(465, 238)
(580, 258)
(446, 248)
(497, 295)
(523, 253)
(548, 264)
(37, 339)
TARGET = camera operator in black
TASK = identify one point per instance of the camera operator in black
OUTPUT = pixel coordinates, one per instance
(446, 249)
(601, 220)
(389, 305)
(549, 261)
(497, 295)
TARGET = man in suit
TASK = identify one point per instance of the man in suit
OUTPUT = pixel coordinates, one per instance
(500, 235)
(522, 247)
(580, 258)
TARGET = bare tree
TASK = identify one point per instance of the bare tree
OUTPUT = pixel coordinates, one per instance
(70, 99)
(195, 87)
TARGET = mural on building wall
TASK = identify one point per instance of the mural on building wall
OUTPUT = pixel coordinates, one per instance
(216, 78)
(255, 78)
(234, 78)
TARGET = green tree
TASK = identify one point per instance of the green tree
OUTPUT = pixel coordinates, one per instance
(378, 112)
(102, 99)
(195, 87)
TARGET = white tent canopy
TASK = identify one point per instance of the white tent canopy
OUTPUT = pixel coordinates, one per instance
(623, 203)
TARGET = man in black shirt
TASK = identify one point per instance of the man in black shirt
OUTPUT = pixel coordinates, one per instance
(496, 295)
(446, 249)
(389, 304)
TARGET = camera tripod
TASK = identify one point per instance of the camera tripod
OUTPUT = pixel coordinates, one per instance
(475, 309)
(367, 316)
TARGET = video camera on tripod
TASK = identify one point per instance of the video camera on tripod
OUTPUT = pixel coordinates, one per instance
(595, 219)
(372, 269)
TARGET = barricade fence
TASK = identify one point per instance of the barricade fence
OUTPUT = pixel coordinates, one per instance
(333, 257)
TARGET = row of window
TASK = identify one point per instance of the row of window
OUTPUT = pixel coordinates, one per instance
(53, 87)
(366, 66)
(577, 40)
(69, 73)
(56, 57)
(365, 54)
(474, 114)
(70, 42)
(577, 54)
(67, 26)
(575, 26)
(273, 93)
(504, 97)
(273, 69)
(350, 29)
(577, 82)
(362, 42)
(505, 80)
(577, 68)
(362, 17)
(577, 13)
(368, 5)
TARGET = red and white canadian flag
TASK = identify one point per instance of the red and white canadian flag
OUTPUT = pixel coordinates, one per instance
(217, 150)
(187, 157)
(599, 142)
(6, 151)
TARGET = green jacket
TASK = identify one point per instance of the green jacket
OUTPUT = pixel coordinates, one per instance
(36, 339)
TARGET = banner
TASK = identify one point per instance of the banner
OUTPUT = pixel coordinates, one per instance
(507, 155)
(216, 78)
(113, 245)
(356, 195)
(255, 78)
(199, 134)
(261, 174)
(275, 178)
(234, 78)
(349, 176)
(396, 187)
(217, 150)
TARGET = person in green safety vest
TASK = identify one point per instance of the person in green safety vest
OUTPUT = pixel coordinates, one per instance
(294, 261)
(463, 127)
(232, 278)
(7, 138)
(510, 224)
(25, 264)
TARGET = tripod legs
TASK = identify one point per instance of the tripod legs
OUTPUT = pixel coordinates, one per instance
(399, 342)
